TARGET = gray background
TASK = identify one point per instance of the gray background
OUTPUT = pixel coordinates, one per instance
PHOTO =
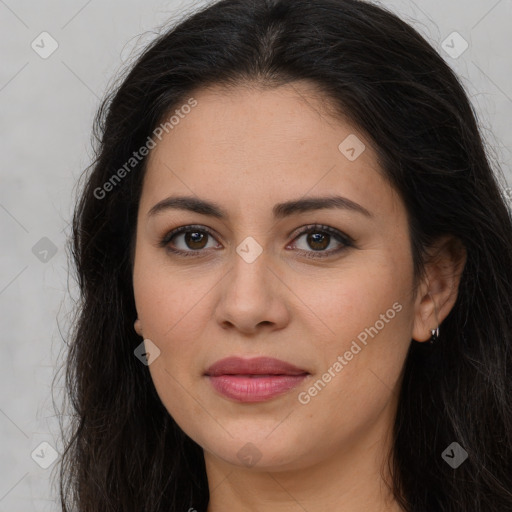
(47, 107)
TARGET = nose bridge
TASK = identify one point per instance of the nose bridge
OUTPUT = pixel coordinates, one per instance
(251, 296)
(250, 269)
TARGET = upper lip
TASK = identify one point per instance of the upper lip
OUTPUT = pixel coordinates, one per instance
(254, 366)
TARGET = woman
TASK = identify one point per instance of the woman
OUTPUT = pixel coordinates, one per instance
(295, 266)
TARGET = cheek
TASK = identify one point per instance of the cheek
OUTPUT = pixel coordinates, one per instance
(168, 308)
(176, 322)
(364, 316)
(345, 302)
(168, 299)
(171, 311)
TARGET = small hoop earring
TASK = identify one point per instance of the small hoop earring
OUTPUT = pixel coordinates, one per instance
(435, 335)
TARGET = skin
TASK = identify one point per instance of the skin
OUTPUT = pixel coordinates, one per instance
(247, 149)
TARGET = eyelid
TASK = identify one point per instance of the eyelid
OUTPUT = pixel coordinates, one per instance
(183, 229)
(345, 240)
(339, 236)
(321, 228)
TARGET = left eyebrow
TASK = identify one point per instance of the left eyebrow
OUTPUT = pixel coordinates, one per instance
(280, 210)
(288, 208)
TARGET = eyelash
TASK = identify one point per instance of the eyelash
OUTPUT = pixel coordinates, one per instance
(313, 228)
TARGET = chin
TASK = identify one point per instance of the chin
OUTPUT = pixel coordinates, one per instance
(254, 452)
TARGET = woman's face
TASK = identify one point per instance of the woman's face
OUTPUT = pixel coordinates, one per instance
(254, 282)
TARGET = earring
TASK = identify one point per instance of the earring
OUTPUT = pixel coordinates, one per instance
(435, 335)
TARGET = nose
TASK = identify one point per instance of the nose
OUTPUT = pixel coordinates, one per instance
(252, 297)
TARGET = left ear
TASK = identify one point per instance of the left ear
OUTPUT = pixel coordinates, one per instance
(438, 290)
(137, 325)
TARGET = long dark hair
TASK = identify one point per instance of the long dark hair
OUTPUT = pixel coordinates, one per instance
(124, 452)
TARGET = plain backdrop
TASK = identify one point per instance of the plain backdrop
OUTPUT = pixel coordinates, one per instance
(47, 107)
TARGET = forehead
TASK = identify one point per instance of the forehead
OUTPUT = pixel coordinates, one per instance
(253, 145)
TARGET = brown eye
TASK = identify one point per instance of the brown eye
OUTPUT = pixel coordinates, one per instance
(187, 240)
(318, 241)
(195, 239)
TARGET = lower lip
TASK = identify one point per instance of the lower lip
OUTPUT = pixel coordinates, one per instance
(254, 389)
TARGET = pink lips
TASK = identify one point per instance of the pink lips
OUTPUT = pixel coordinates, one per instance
(254, 380)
